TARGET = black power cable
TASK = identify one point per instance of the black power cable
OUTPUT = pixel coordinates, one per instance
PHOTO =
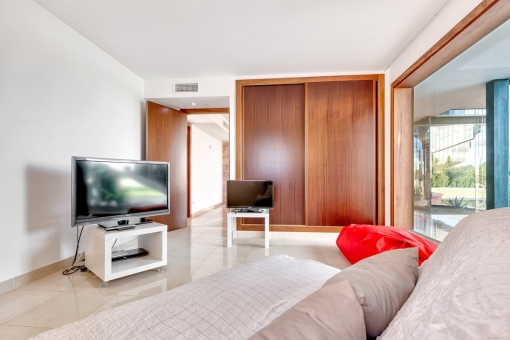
(75, 268)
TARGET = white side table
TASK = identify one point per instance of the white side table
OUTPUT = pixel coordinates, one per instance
(232, 224)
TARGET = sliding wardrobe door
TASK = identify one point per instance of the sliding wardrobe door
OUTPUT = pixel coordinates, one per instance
(341, 153)
(166, 141)
(273, 133)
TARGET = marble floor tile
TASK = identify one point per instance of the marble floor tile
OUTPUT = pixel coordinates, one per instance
(172, 249)
(300, 242)
(59, 310)
(258, 253)
(17, 302)
(178, 240)
(20, 332)
(212, 266)
(192, 253)
(215, 232)
(339, 265)
(329, 237)
(57, 282)
(194, 278)
(94, 286)
(332, 254)
(325, 242)
(154, 283)
(260, 241)
(116, 301)
(301, 248)
(238, 246)
(244, 241)
(306, 255)
(187, 266)
(234, 253)
(205, 242)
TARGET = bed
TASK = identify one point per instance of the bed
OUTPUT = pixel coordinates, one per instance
(244, 300)
(462, 292)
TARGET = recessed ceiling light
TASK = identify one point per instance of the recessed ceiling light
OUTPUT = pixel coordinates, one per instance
(195, 106)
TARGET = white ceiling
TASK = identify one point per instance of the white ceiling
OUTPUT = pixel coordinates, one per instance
(187, 103)
(159, 39)
(211, 124)
(461, 83)
(199, 119)
(214, 130)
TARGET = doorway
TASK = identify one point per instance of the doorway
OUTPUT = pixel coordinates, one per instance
(208, 162)
(188, 146)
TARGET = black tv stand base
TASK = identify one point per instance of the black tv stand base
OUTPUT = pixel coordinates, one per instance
(251, 210)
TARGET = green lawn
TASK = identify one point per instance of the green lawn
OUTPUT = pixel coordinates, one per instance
(460, 192)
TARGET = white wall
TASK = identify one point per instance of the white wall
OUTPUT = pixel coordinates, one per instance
(60, 95)
(206, 170)
(449, 16)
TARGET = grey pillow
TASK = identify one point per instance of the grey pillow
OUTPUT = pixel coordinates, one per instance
(382, 284)
(332, 312)
(464, 287)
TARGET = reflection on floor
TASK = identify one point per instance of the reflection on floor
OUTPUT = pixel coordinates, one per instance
(193, 252)
(436, 226)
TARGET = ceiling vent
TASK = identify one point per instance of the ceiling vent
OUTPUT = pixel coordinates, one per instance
(189, 87)
(225, 124)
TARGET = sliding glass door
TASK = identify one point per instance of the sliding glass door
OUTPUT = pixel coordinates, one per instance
(450, 170)
(461, 137)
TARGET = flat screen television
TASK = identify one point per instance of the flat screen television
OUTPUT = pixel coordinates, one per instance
(105, 190)
(246, 194)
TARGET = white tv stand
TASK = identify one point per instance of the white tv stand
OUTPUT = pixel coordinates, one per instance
(98, 250)
(232, 223)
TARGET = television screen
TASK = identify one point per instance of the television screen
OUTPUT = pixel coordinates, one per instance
(109, 189)
(250, 194)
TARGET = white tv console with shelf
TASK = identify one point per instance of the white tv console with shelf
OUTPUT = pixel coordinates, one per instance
(98, 250)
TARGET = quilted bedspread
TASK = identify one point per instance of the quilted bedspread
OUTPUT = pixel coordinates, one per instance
(232, 304)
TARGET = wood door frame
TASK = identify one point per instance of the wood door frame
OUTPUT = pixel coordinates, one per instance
(164, 124)
(482, 20)
(207, 111)
(188, 168)
(380, 178)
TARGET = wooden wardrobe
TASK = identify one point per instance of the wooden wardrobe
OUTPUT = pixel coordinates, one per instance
(321, 141)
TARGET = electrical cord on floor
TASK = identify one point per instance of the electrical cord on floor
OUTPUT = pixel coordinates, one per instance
(74, 268)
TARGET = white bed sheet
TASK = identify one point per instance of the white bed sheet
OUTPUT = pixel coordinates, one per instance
(232, 304)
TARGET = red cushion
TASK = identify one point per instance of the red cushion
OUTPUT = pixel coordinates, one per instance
(359, 241)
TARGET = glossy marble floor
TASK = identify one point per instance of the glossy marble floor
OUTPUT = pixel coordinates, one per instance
(194, 252)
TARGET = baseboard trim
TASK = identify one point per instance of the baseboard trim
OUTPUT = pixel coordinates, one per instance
(206, 210)
(36, 274)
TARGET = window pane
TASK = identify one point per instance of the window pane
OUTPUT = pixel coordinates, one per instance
(461, 136)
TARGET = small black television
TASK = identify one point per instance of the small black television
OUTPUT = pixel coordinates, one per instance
(105, 190)
(246, 194)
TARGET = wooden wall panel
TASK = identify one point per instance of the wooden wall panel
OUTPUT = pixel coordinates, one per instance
(402, 158)
(274, 146)
(341, 163)
(166, 141)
